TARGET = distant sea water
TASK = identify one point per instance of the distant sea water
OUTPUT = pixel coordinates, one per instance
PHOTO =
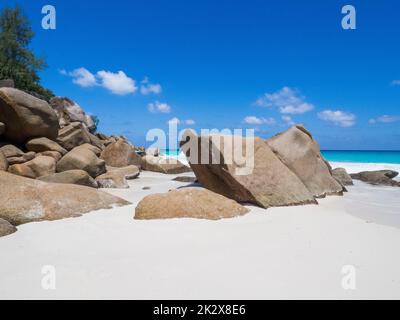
(362, 156)
(340, 156)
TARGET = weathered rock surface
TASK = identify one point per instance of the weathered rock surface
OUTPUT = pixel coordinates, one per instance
(92, 148)
(54, 154)
(109, 141)
(116, 177)
(38, 167)
(341, 175)
(297, 149)
(68, 111)
(44, 144)
(82, 158)
(96, 142)
(26, 116)
(78, 177)
(188, 203)
(101, 136)
(3, 162)
(26, 200)
(162, 165)
(73, 135)
(25, 157)
(10, 151)
(6, 228)
(21, 170)
(120, 154)
(381, 177)
(262, 180)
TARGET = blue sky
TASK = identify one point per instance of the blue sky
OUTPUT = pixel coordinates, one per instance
(228, 64)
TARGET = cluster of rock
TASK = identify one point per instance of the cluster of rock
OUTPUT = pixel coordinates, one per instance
(51, 160)
(286, 170)
(47, 143)
(57, 143)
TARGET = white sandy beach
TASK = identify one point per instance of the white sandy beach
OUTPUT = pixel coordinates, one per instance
(293, 252)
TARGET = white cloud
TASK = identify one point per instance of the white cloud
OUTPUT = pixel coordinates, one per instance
(81, 76)
(148, 88)
(288, 120)
(385, 119)
(259, 121)
(339, 118)
(118, 83)
(158, 107)
(287, 100)
(396, 83)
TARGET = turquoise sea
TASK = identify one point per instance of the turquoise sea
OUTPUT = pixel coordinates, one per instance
(344, 156)
(362, 156)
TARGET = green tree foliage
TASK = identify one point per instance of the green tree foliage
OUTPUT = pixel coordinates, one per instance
(17, 61)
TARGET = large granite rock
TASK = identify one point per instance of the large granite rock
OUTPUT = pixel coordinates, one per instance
(3, 162)
(188, 203)
(44, 144)
(341, 175)
(117, 177)
(297, 149)
(78, 177)
(264, 180)
(68, 111)
(38, 167)
(162, 165)
(120, 154)
(84, 159)
(26, 200)
(26, 116)
(73, 135)
(380, 177)
(6, 228)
